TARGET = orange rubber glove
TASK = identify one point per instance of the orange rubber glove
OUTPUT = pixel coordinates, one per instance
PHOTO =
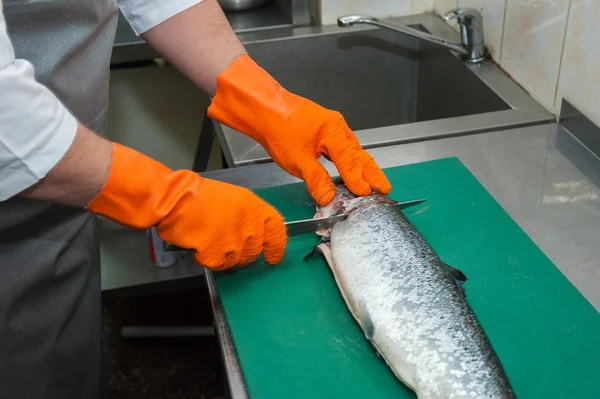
(294, 131)
(224, 225)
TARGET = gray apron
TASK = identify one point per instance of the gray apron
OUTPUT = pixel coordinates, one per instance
(49, 256)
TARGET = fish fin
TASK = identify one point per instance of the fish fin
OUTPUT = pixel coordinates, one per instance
(457, 274)
(365, 320)
(315, 249)
(309, 255)
(458, 277)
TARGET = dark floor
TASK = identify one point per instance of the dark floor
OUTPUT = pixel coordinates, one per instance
(165, 368)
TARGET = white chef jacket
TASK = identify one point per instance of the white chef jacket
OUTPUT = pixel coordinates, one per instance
(36, 130)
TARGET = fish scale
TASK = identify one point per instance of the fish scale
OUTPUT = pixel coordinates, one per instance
(408, 302)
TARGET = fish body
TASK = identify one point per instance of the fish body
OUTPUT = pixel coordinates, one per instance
(410, 305)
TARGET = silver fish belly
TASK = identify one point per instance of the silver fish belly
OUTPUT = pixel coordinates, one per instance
(408, 303)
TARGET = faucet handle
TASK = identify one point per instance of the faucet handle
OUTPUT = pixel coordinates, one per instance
(470, 21)
(465, 16)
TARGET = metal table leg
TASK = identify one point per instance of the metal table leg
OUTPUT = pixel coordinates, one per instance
(205, 143)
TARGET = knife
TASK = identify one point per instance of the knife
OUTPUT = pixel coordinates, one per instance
(298, 227)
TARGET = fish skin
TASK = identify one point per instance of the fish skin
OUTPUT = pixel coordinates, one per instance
(408, 303)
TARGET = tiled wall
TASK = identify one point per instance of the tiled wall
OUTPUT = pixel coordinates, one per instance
(550, 47)
(579, 81)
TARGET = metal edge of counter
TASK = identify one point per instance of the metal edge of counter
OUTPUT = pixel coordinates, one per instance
(233, 370)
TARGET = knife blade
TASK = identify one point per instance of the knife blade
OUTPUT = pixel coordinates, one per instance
(298, 227)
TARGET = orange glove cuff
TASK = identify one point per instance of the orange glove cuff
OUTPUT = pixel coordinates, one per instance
(250, 101)
(140, 191)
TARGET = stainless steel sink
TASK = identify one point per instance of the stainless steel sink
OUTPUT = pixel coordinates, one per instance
(378, 78)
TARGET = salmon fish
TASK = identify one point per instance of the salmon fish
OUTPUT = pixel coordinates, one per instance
(410, 305)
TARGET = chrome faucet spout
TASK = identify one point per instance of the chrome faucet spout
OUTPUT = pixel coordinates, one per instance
(472, 46)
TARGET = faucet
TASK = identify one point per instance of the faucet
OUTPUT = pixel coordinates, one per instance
(471, 46)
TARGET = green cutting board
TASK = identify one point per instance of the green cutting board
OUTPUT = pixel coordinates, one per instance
(296, 339)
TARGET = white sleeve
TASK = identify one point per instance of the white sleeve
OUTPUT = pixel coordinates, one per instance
(143, 15)
(36, 130)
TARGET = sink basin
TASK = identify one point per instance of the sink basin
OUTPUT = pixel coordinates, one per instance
(377, 78)
(391, 88)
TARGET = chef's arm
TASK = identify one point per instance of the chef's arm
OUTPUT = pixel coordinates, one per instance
(199, 42)
(79, 175)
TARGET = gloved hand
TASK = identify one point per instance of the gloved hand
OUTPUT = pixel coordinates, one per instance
(294, 131)
(225, 225)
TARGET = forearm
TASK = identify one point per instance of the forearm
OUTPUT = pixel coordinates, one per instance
(199, 42)
(79, 176)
